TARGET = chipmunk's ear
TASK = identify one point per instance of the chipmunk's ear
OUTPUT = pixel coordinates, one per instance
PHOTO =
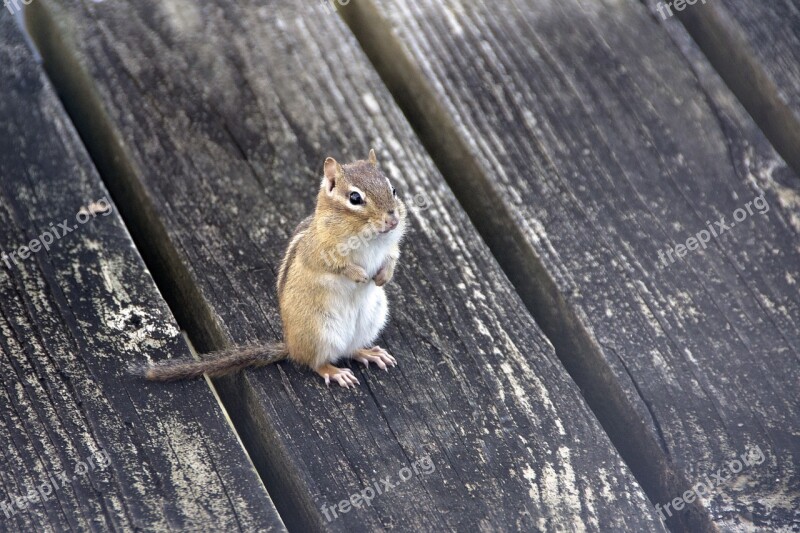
(372, 158)
(333, 171)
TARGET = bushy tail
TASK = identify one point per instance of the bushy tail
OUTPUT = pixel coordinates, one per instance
(217, 364)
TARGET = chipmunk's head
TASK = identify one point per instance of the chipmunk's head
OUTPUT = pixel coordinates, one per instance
(362, 197)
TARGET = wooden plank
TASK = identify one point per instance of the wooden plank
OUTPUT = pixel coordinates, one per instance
(217, 120)
(755, 46)
(106, 451)
(584, 149)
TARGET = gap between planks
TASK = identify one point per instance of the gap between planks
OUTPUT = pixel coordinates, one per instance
(725, 44)
(170, 274)
(578, 352)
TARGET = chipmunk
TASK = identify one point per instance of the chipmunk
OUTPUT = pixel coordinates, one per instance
(330, 288)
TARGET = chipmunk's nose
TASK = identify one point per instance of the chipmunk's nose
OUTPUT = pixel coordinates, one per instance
(391, 220)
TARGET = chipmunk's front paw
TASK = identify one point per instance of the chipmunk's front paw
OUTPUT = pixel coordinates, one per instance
(383, 276)
(359, 275)
(376, 355)
(342, 376)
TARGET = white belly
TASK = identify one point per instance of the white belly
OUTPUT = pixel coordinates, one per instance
(356, 315)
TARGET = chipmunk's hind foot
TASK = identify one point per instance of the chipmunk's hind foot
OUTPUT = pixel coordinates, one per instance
(342, 376)
(376, 355)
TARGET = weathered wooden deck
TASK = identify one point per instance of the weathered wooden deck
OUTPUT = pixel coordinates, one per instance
(555, 373)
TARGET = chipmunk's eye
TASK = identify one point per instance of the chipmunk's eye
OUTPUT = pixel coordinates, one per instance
(356, 199)
(394, 192)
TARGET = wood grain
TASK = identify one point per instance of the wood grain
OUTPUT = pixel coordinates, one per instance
(582, 144)
(755, 46)
(211, 125)
(73, 317)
